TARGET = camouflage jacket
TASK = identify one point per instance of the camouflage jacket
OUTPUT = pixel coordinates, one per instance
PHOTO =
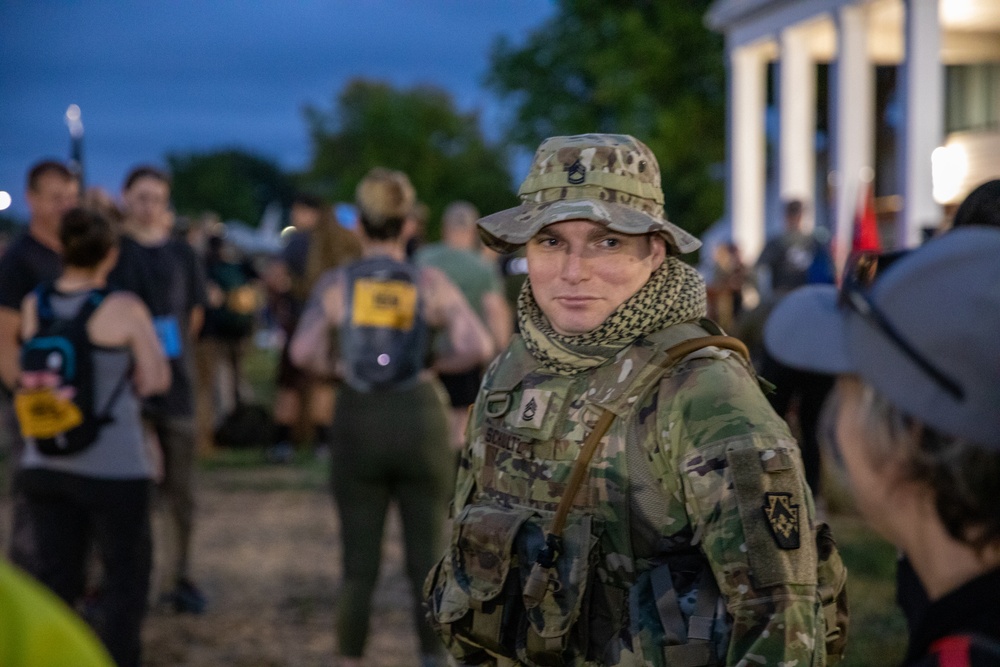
(696, 470)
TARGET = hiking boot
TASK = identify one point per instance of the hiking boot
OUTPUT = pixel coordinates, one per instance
(187, 599)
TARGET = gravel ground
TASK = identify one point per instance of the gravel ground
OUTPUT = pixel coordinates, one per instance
(266, 553)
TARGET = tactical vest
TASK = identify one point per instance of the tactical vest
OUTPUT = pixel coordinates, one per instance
(383, 338)
(622, 591)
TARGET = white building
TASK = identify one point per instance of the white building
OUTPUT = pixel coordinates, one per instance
(945, 106)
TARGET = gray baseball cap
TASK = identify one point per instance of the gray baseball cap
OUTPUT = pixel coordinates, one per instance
(942, 301)
(612, 179)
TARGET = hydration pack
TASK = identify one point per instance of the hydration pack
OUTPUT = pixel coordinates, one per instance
(384, 338)
(54, 400)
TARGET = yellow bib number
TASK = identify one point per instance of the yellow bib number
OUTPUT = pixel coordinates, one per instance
(385, 304)
(43, 414)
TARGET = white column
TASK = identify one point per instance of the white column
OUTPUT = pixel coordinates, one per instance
(853, 93)
(747, 159)
(797, 114)
(922, 96)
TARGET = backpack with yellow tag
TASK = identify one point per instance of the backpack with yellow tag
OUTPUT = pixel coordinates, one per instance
(383, 339)
(54, 399)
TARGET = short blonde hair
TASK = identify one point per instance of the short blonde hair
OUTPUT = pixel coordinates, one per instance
(385, 198)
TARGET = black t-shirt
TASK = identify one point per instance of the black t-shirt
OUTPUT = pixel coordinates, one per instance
(26, 264)
(969, 619)
(170, 280)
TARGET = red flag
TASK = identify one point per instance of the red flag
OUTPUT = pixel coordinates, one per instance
(865, 227)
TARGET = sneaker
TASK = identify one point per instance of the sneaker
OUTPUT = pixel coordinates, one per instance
(187, 599)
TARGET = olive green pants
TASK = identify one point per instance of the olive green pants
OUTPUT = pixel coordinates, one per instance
(388, 446)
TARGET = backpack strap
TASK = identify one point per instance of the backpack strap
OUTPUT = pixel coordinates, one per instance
(538, 579)
(87, 310)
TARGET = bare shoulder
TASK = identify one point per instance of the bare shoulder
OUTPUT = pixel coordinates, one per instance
(124, 304)
(118, 319)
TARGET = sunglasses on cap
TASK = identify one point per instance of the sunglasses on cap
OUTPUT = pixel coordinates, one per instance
(860, 272)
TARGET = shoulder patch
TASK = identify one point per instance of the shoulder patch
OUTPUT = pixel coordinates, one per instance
(782, 519)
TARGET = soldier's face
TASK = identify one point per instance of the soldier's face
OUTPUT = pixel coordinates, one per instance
(581, 271)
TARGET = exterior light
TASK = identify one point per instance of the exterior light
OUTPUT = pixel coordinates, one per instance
(949, 167)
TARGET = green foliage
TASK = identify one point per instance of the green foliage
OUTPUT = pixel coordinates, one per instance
(417, 131)
(877, 634)
(235, 184)
(649, 68)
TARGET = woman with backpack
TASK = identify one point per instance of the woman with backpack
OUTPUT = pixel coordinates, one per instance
(89, 354)
(389, 440)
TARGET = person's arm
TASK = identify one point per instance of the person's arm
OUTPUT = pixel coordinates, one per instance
(10, 327)
(152, 370)
(740, 474)
(310, 346)
(469, 343)
(198, 293)
(499, 318)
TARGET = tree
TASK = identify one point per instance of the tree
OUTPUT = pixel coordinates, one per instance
(649, 68)
(417, 131)
(233, 183)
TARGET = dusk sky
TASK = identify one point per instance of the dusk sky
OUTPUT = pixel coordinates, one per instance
(156, 77)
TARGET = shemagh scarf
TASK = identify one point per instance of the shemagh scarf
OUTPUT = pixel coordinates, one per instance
(675, 293)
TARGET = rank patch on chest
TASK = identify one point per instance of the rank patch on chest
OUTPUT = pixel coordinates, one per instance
(782, 519)
(531, 412)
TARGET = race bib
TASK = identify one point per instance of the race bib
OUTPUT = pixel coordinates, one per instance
(384, 304)
(41, 413)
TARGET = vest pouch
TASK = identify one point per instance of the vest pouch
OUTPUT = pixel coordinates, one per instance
(551, 627)
(473, 594)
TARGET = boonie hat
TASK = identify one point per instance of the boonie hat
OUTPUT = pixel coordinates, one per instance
(608, 178)
(942, 301)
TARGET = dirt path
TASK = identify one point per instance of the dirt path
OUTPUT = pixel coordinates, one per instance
(266, 553)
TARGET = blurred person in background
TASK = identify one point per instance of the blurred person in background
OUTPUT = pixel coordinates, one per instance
(389, 440)
(68, 502)
(725, 290)
(456, 255)
(30, 259)
(234, 299)
(980, 207)
(166, 274)
(33, 257)
(915, 421)
(317, 243)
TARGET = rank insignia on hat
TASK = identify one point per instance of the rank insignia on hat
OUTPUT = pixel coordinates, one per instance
(783, 519)
(577, 173)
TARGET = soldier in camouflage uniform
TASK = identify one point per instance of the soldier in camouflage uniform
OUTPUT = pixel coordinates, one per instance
(692, 539)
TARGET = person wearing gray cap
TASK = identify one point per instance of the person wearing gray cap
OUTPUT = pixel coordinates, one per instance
(916, 413)
(626, 495)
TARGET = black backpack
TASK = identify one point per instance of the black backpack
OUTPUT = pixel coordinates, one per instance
(54, 399)
(384, 338)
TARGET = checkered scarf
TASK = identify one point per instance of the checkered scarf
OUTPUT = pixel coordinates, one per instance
(675, 293)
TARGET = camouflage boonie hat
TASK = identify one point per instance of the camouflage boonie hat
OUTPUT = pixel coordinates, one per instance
(608, 178)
